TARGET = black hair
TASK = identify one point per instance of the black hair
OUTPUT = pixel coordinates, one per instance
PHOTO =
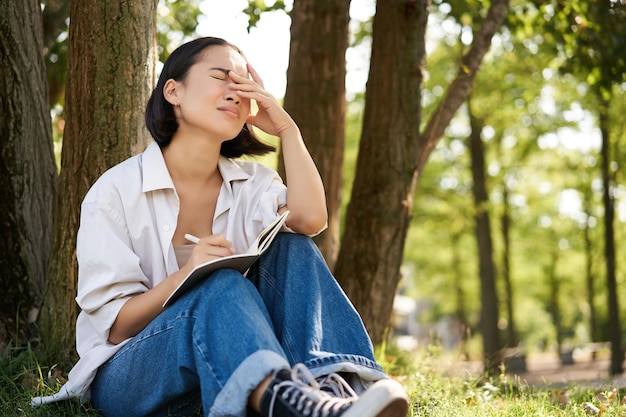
(161, 119)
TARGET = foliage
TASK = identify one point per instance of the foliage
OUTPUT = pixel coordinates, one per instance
(176, 20)
(541, 145)
(257, 7)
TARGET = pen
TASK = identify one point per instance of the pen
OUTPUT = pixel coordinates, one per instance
(191, 238)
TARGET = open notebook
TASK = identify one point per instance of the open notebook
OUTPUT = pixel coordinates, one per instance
(241, 262)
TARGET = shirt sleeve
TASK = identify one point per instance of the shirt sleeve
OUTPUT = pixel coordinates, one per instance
(109, 272)
(274, 197)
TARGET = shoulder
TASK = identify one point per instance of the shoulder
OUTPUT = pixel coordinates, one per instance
(124, 176)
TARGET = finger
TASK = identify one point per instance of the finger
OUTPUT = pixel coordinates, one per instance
(218, 240)
(255, 75)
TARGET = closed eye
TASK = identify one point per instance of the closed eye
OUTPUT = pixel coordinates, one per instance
(218, 78)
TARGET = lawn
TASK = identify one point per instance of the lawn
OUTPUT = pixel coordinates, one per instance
(433, 391)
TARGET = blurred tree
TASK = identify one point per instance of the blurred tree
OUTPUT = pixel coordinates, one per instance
(27, 167)
(489, 311)
(591, 39)
(56, 16)
(112, 51)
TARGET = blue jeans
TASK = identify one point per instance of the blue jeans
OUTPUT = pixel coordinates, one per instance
(214, 345)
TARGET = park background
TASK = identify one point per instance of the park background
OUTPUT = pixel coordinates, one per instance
(503, 234)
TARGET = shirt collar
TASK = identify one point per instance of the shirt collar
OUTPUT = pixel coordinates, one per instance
(155, 173)
(156, 176)
(231, 171)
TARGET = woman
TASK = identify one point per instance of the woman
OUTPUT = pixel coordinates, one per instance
(277, 342)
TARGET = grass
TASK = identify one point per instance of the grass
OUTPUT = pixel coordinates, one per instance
(434, 390)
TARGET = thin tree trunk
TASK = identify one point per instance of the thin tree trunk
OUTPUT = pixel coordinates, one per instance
(487, 271)
(590, 277)
(459, 292)
(554, 305)
(315, 98)
(27, 168)
(615, 331)
(506, 267)
(110, 75)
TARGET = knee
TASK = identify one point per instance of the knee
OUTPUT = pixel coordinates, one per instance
(295, 242)
(220, 285)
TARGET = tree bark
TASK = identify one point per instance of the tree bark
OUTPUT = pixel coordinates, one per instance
(112, 54)
(27, 168)
(315, 98)
(489, 314)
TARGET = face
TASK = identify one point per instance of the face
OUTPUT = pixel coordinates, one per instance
(203, 101)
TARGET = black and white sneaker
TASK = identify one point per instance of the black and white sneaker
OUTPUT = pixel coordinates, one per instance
(296, 393)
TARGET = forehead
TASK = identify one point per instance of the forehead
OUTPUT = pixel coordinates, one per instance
(223, 57)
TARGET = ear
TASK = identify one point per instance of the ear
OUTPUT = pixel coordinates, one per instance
(170, 92)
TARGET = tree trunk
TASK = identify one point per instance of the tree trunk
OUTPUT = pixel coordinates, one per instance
(506, 267)
(615, 331)
(380, 208)
(112, 55)
(459, 292)
(487, 271)
(554, 305)
(378, 216)
(315, 97)
(27, 168)
(590, 276)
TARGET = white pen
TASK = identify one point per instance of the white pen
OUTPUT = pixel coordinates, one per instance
(192, 238)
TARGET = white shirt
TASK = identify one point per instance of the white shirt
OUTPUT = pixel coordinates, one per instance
(124, 243)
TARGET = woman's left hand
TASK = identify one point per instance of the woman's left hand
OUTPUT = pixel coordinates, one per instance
(271, 117)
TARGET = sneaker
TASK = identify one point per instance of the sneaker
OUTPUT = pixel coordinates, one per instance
(336, 386)
(298, 394)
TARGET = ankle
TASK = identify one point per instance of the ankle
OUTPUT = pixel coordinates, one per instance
(265, 390)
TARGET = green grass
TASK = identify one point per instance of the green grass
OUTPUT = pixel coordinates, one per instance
(22, 377)
(434, 389)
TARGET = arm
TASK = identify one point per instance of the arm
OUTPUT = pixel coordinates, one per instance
(306, 199)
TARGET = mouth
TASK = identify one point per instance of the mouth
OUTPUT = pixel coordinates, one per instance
(230, 111)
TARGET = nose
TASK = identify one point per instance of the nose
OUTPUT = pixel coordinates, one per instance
(234, 99)
(231, 95)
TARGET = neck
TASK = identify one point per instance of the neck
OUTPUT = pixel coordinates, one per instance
(192, 160)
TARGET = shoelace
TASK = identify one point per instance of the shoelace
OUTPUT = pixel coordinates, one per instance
(303, 392)
(338, 386)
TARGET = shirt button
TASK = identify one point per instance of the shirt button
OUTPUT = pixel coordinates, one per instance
(166, 228)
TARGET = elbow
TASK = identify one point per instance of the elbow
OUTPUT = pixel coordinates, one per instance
(310, 224)
(115, 338)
